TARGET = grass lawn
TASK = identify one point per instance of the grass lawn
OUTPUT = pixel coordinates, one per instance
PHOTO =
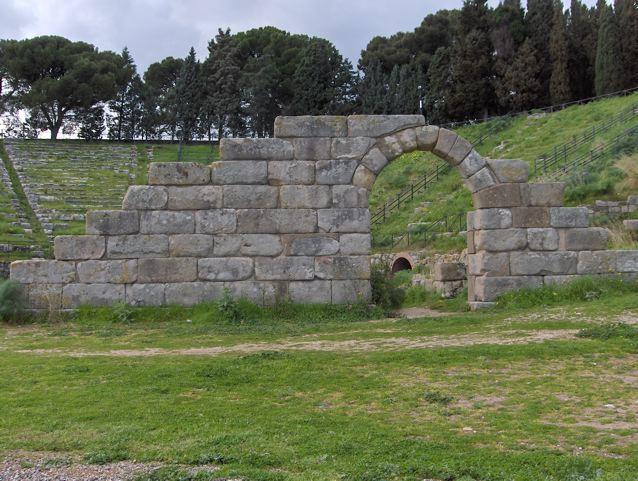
(325, 394)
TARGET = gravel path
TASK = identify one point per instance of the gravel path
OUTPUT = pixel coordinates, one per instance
(24, 469)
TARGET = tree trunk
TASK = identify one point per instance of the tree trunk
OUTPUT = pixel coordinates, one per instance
(54, 132)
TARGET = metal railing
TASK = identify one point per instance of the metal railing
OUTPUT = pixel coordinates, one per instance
(427, 231)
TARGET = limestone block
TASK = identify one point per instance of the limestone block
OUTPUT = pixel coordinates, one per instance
(79, 247)
(136, 246)
(501, 195)
(284, 268)
(225, 268)
(345, 196)
(543, 239)
(281, 172)
(599, 262)
(250, 196)
(195, 197)
(44, 296)
(276, 221)
(449, 271)
(632, 200)
(374, 160)
(407, 140)
(489, 219)
(342, 267)
(262, 293)
(216, 221)
(631, 224)
(338, 171)
(559, 280)
(390, 146)
(112, 222)
(96, 295)
(351, 147)
(227, 245)
(167, 222)
(471, 164)
(478, 306)
(543, 263)
(305, 196)
(143, 197)
(310, 292)
(255, 148)
(42, 272)
(351, 291)
(459, 151)
(260, 245)
(191, 293)
(311, 245)
(543, 195)
(311, 126)
(530, 217)
(509, 170)
(344, 220)
(178, 173)
(584, 239)
(107, 272)
(355, 244)
(378, 125)
(190, 245)
(444, 143)
(500, 240)
(483, 179)
(426, 137)
(488, 264)
(145, 294)
(229, 172)
(311, 148)
(363, 177)
(171, 269)
(569, 216)
(627, 261)
(488, 289)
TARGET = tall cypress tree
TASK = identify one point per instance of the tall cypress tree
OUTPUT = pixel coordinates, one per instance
(539, 28)
(372, 89)
(627, 13)
(581, 39)
(439, 86)
(559, 90)
(125, 107)
(609, 73)
(187, 99)
(522, 79)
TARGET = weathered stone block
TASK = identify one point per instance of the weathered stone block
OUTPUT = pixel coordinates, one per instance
(216, 221)
(145, 197)
(145, 294)
(260, 245)
(559, 280)
(378, 125)
(631, 224)
(167, 222)
(296, 172)
(112, 222)
(600, 262)
(311, 148)
(444, 143)
(178, 173)
(426, 137)
(342, 267)
(310, 292)
(449, 271)
(543, 239)
(351, 147)
(351, 291)
(530, 217)
(79, 247)
(489, 219)
(345, 196)
(195, 197)
(488, 289)
(107, 272)
(390, 146)
(42, 272)
(627, 261)
(363, 177)
(459, 151)
(543, 195)
(136, 246)
(509, 170)
(190, 245)
(632, 200)
(500, 240)
(488, 264)
(44, 296)
(375, 160)
(471, 164)
(483, 179)
(338, 171)
(250, 196)
(192, 293)
(311, 245)
(471, 245)
(569, 216)
(305, 196)
(311, 126)
(262, 293)
(255, 148)
(237, 172)
(501, 195)
(97, 295)
(279, 221)
(225, 268)
(344, 220)
(284, 268)
(407, 139)
(584, 239)
(543, 263)
(355, 244)
(172, 269)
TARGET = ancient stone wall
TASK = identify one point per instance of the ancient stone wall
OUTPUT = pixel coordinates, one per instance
(287, 218)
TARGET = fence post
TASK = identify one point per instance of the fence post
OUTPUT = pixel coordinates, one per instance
(399, 201)
(384, 204)
(411, 192)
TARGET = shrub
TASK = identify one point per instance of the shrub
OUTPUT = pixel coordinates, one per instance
(609, 330)
(11, 300)
(386, 290)
(122, 313)
(228, 307)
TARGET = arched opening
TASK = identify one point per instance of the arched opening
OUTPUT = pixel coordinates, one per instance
(401, 264)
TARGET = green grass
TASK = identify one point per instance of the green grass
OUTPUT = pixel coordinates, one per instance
(274, 412)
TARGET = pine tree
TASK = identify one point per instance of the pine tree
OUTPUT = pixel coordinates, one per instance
(609, 73)
(91, 123)
(539, 28)
(627, 13)
(581, 38)
(521, 80)
(559, 81)
(187, 98)
(126, 102)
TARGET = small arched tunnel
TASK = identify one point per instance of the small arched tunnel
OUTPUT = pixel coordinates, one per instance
(401, 263)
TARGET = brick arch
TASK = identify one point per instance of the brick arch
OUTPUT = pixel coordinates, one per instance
(402, 262)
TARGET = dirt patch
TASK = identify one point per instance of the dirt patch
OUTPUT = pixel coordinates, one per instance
(418, 312)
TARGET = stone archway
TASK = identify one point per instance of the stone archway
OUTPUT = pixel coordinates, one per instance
(401, 263)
